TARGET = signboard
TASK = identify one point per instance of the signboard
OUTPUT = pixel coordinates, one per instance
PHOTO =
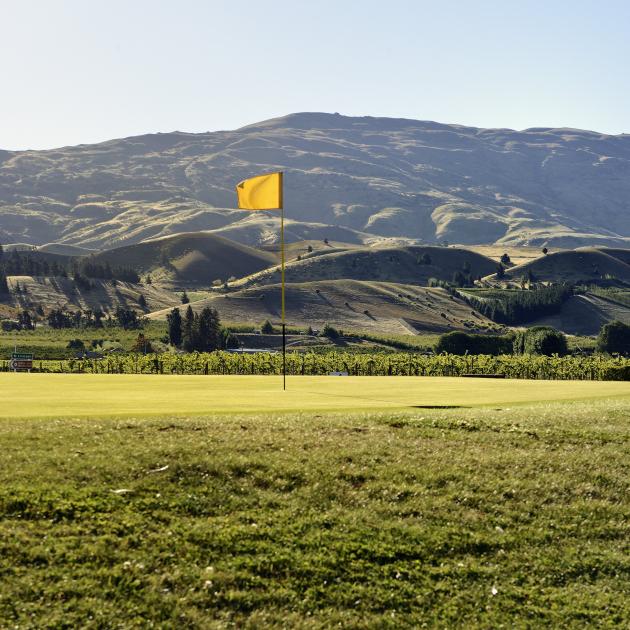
(21, 361)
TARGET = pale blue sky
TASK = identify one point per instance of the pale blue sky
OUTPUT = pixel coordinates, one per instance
(79, 71)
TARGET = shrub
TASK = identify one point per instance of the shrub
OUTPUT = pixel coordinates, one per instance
(614, 337)
(541, 340)
(462, 343)
(75, 344)
(267, 328)
(330, 331)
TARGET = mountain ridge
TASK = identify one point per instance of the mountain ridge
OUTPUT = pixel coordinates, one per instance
(384, 177)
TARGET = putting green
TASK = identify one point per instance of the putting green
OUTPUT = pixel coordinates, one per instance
(99, 395)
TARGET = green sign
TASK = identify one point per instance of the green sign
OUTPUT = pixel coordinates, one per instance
(22, 356)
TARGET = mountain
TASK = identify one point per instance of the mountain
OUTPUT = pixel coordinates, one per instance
(372, 178)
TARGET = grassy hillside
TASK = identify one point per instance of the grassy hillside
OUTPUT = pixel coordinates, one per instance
(379, 307)
(259, 229)
(64, 249)
(390, 264)
(586, 314)
(518, 254)
(190, 259)
(576, 266)
(57, 292)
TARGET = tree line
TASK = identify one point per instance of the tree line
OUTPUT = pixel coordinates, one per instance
(198, 332)
(613, 338)
(16, 263)
(518, 307)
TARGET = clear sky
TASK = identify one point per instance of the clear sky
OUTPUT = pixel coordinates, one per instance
(80, 71)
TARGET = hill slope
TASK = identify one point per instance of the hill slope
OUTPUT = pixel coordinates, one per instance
(585, 315)
(380, 176)
(382, 307)
(581, 265)
(391, 264)
(190, 259)
(57, 292)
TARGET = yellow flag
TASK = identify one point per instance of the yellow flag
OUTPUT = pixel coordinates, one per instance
(263, 192)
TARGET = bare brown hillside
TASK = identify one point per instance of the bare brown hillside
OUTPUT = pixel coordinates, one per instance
(372, 176)
(411, 265)
(190, 259)
(586, 264)
(350, 305)
(57, 292)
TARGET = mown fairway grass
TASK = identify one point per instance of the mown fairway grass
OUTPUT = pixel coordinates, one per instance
(59, 395)
(507, 515)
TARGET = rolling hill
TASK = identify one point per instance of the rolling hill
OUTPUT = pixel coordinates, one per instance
(58, 292)
(585, 315)
(190, 259)
(380, 177)
(582, 265)
(406, 265)
(377, 307)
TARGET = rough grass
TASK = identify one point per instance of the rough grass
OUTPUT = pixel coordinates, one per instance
(494, 517)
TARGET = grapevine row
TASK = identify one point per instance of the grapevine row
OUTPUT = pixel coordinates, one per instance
(596, 367)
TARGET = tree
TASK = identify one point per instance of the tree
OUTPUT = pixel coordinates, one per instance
(209, 333)
(309, 249)
(544, 250)
(25, 322)
(142, 344)
(142, 302)
(500, 271)
(4, 285)
(425, 259)
(459, 280)
(174, 321)
(267, 328)
(185, 299)
(541, 340)
(614, 337)
(188, 330)
(127, 318)
(76, 344)
(148, 280)
(326, 241)
(505, 260)
(330, 331)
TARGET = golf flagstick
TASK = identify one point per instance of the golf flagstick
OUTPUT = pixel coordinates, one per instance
(284, 324)
(265, 192)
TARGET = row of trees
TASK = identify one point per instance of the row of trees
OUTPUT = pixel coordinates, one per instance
(518, 307)
(613, 338)
(542, 340)
(124, 317)
(24, 263)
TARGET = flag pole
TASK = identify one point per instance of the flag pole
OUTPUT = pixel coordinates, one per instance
(284, 323)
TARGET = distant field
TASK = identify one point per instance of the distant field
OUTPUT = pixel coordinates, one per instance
(509, 515)
(47, 342)
(59, 395)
